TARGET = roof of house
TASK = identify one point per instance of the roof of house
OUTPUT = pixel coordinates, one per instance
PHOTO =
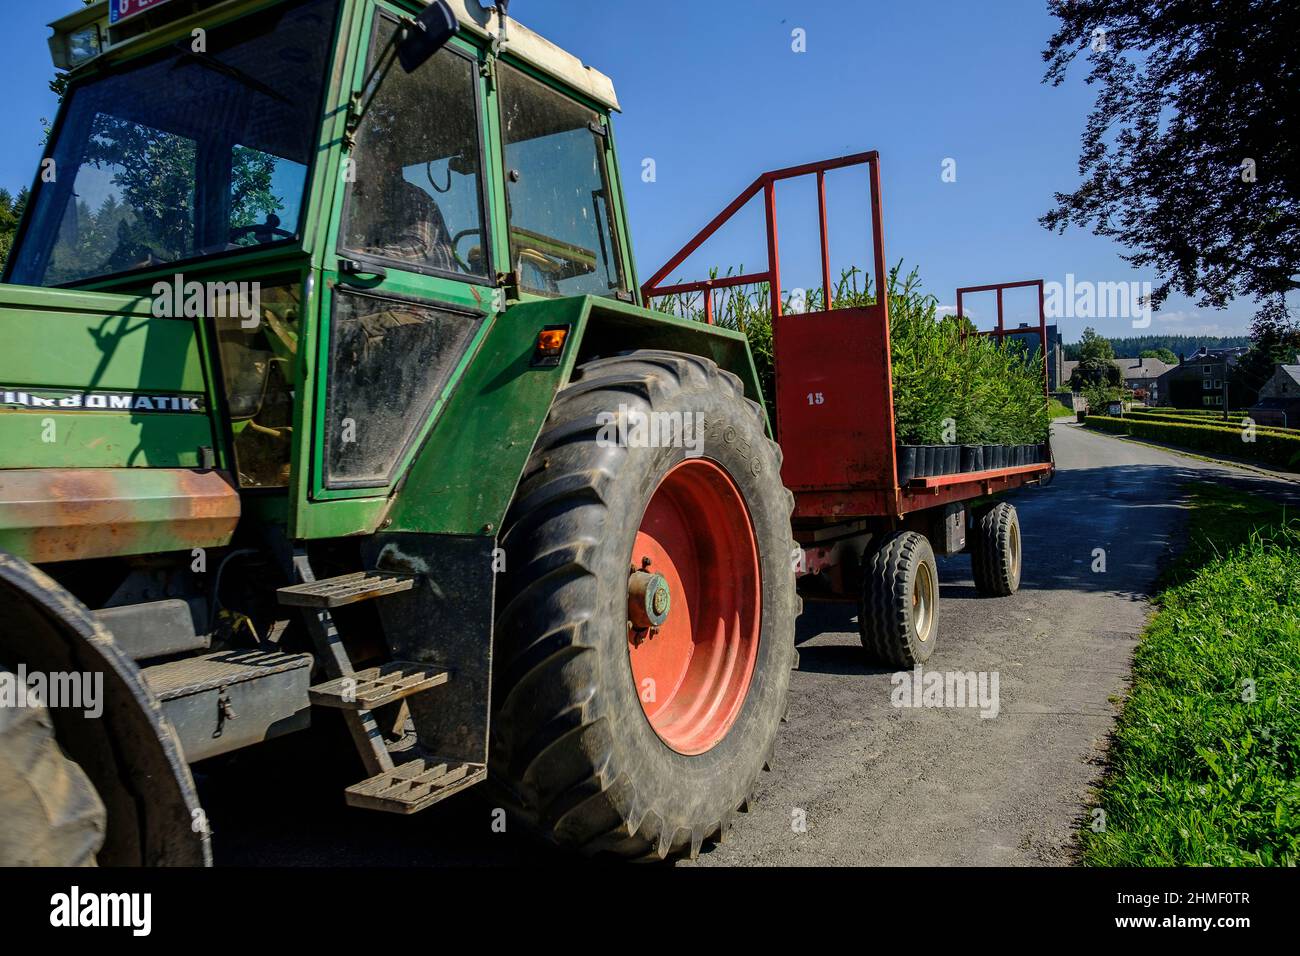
(1280, 402)
(1291, 370)
(1129, 368)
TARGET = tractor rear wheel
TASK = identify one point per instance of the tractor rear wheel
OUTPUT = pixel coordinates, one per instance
(645, 620)
(898, 613)
(995, 550)
(52, 814)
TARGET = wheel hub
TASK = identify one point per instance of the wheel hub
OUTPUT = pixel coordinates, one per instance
(648, 603)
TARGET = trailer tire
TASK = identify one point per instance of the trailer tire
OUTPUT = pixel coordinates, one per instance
(576, 751)
(898, 613)
(995, 550)
(52, 814)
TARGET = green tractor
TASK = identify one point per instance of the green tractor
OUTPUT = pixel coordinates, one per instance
(326, 387)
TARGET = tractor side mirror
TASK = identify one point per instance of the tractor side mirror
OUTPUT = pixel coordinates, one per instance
(435, 25)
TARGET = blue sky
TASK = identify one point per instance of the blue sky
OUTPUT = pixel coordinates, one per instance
(714, 93)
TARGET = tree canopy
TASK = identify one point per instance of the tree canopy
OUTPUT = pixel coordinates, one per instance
(1191, 155)
(1162, 355)
(1096, 362)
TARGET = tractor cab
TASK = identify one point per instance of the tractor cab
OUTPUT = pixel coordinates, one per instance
(272, 235)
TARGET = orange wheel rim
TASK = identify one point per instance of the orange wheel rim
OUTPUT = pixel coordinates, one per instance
(693, 670)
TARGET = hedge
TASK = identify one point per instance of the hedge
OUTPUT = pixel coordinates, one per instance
(1278, 449)
(1163, 410)
(1171, 410)
(1234, 422)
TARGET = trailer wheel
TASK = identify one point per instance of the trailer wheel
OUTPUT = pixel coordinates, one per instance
(995, 550)
(898, 615)
(645, 620)
(52, 814)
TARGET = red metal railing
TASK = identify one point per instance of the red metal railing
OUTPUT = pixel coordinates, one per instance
(766, 184)
(1002, 331)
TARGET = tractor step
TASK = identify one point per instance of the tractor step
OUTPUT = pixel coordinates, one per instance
(346, 589)
(376, 686)
(414, 785)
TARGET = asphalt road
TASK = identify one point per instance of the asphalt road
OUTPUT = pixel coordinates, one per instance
(857, 780)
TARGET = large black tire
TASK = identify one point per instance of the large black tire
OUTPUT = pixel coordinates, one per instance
(898, 614)
(995, 550)
(571, 749)
(51, 812)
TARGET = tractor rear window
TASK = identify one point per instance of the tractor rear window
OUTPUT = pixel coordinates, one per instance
(562, 237)
(203, 149)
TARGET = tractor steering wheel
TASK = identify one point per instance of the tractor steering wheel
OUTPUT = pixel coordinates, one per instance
(262, 231)
(455, 245)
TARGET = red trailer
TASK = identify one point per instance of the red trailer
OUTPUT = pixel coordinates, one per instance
(869, 525)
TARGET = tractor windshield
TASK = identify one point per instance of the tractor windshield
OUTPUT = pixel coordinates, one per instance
(200, 150)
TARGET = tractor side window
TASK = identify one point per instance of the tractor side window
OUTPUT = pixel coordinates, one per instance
(562, 237)
(415, 195)
(257, 334)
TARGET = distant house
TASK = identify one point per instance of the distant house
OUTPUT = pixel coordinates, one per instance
(1203, 380)
(1139, 374)
(1279, 399)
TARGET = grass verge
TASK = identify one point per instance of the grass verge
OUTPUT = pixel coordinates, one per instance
(1204, 765)
(1058, 409)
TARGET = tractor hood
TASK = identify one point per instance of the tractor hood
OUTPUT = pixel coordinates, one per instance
(107, 443)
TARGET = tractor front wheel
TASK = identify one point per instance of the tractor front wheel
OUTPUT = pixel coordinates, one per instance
(52, 814)
(645, 620)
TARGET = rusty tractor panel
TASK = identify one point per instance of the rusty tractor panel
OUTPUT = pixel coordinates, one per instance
(67, 514)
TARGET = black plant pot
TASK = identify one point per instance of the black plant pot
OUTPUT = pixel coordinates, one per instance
(952, 459)
(934, 460)
(906, 463)
(972, 458)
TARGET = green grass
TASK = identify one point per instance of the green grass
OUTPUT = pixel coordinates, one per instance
(1204, 767)
(1056, 409)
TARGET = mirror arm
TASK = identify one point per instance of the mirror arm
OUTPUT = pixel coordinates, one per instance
(502, 9)
(362, 99)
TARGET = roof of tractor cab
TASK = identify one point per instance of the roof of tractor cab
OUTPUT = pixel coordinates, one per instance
(539, 52)
(521, 42)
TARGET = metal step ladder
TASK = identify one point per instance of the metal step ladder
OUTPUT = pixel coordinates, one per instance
(420, 779)
(346, 589)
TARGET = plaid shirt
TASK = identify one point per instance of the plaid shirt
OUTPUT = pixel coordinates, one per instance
(409, 226)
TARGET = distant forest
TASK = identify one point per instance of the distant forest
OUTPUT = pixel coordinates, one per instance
(1178, 344)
